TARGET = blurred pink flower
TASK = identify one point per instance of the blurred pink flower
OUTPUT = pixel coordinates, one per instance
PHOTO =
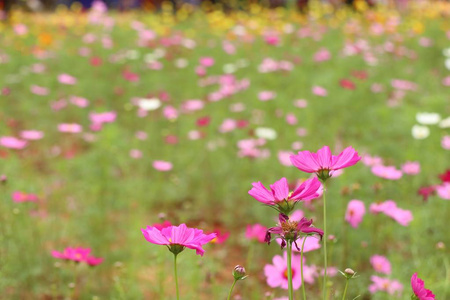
(162, 166)
(24, 197)
(418, 287)
(176, 238)
(170, 113)
(403, 85)
(371, 161)
(12, 142)
(276, 273)
(228, 125)
(390, 209)
(39, 90)
(78, 255)
(67, 79)
(162, 225)
(192, 105)
(20, 29)
(445, 142)
(355, 212)
(322, 55)
(135, 153)
(257, 232)
(70, 127)
(272, 39)
(443, 190)
(301, 103)
(411, 168)
(266, 95)
(31, 134)
(387, 172)
(392, 287)
(221, 236)
(207, 61)
(380, 264)
(284, 158)
(319, 91)
(79, 101)
(323, 163)
(291, 119)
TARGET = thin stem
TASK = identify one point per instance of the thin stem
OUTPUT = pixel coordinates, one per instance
(301, 268)
(324, 243)
(345, 289)
(289, 270)
(176, 275)
(231, 290)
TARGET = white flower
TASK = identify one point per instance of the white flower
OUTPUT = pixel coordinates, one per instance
(149, 58)
(426, 118)
(181, 63)
(159, 52)
(266, 133)
(445, 123)
(149, 104)
(132, 54)
(420, 132)
(229, 68)
(447, 63)
(446, 52)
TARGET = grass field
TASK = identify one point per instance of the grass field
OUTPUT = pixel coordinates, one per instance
(97, 183)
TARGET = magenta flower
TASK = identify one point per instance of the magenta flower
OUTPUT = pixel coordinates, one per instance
(24, 197)
(70, 127)
(443, 190)
(280, 197)
(162, 166)
(355, 212)
(78, 255)
(67, 79)
(31, 135)
(323, 163)
(290, 230)
(276, 274)
(256, 232)
(380, 264)
(12, 142)
(420, 292)
(411, 168)
(390, 209)
(177, 238)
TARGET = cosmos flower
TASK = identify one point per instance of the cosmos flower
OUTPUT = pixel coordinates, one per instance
(78, 255)
(12, 142)
(355, 212)
(380, 264)
(256, 232)
(177, 238)
(280, 197)
(323, 163)
(420, 292)
(162, 165)
(18, 196)
(387, 172)
(392, 287)
(443, 190)
(411, 168)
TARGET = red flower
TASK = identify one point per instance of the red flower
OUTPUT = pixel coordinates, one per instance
(204, 121)
(445, 177)
(347, 84)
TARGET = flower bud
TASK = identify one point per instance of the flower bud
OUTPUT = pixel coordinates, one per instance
(349, 271)
(239, 273)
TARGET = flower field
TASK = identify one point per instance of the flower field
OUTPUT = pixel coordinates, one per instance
(125, 136)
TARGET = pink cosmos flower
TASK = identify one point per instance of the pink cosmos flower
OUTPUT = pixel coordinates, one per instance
(78, 255)
(445, 142)
(67, 79)
(279, 195)
(135, 153)
(276, 273)
(323, 163)
(355, 212)
(319, 91)
(70, 127)
(207, 61)
(170, 112)
(24, 197)
(443, 190)
(39, 90)
(284, 158)
(228, 125)
(418, 287)
(380, 264)
(392, 287)
(387, 172)
(266, 95)
(31, 135)
(12, 142)
(390, 209)
(291, 119)
(256, 232)
(162, 165)
(221, 236)
(79, 101)
(371, 161)
(192, 105)
(411, 168)
(322, 55)
(177, 238)
(20, 29)
(162, 225)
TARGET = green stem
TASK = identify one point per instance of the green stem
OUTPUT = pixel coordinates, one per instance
(289, 269)
(324, 243)
(176, 275)
(231, 290)
(301, 268)
(345, 289)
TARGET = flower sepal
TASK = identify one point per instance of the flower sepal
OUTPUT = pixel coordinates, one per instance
(176, 248)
